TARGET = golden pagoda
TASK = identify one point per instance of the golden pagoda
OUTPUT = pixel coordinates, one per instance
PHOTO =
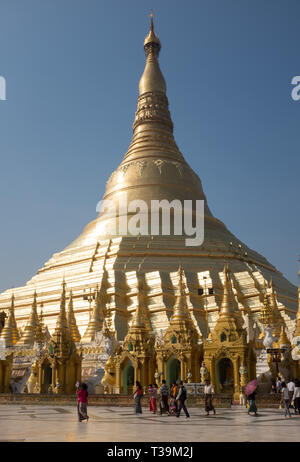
(10, 331)
(153, 168)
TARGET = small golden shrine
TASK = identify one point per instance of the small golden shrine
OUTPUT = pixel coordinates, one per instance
(229, 357)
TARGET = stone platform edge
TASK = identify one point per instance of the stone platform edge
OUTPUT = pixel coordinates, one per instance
(101, 400)
(220, 400)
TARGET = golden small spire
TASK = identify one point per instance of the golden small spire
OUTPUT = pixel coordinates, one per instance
(43, 334)
(138, 321)
(10, 331)
(283, 339)
(62, 322)
(72, 320)
(266, 313)
(96, 320)
(61, 341)
(180, 311)
(277, 319)
(140, 318)
(62, 333)
(228, 301)
(32, 328)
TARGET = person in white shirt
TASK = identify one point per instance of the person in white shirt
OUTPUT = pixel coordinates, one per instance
(209, 394)
(286, 399)
(291, 388)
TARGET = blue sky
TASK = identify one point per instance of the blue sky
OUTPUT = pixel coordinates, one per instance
(72, 69)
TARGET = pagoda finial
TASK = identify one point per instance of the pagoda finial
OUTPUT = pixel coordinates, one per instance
(152, 79)
(62, 322)
(72, 320)
(152, 37)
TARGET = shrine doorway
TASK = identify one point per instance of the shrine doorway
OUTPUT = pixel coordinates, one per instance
(173, 371)
(225, 376)
(128, 379)
(48, 378)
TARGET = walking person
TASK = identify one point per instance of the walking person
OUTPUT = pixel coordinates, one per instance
(173, 399)
(278, 384)
(208, 396)
(296, 397)
(152, 390)
(273, 386)
(181, 398)
(137, 398)
(291, 388)
(286, 399)
(164, 394)
(82, 401)
(252, 403)
(250, 392)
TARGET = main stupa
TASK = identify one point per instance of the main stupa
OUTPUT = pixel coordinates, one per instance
(119, 265)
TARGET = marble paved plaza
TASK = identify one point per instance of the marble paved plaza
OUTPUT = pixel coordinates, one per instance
(114, 424)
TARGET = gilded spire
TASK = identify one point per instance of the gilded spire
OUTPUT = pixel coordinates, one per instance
(228, 301)
(283, 339)
(32, 328)
(151, 37)
(62, 322)
(138, 321)
(277, 319)
(266, 313)
(43, 334)
(152, 79)
(140, 318)
(96, 321)
(180, 311)
(61, 343)
(72, 320)
(10, 331)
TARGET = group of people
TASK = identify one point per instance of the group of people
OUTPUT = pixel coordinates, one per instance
(172, 401)
(290, 396)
